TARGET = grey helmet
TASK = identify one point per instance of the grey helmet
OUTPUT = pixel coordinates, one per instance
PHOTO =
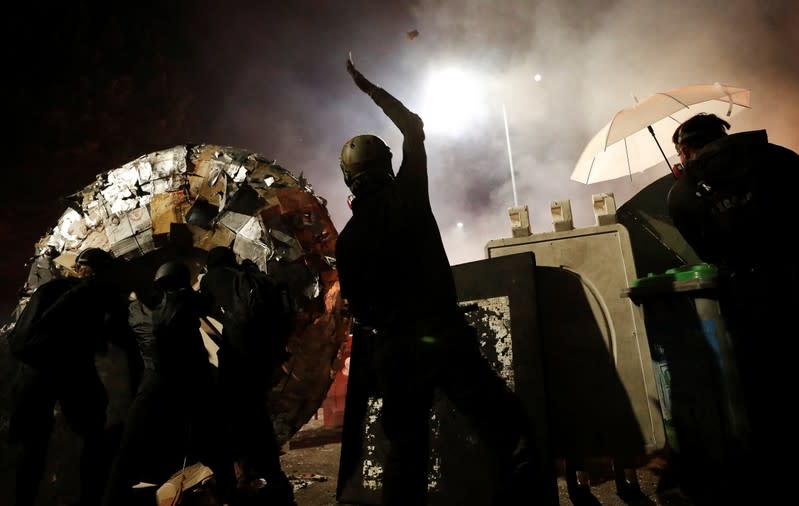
(95, 258)
(365, 155)
(173, 274)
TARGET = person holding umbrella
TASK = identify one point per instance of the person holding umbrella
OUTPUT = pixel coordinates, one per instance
(729, 184)
(730, 202)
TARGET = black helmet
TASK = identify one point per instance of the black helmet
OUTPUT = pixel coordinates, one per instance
(95, 258)
(362, 155)
(173, 273)
(220, 255)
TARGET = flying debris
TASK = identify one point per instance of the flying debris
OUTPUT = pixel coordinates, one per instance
(412, 34)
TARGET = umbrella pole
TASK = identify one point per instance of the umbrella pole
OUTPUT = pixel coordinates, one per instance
(652, 131)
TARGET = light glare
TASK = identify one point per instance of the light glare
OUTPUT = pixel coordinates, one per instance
(451, 100)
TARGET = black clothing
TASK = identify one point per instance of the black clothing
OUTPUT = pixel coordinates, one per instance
(218, 285)
(83, 401)
(249, 430)
(393, 229)
(173, 415)
(140, 320)
(36, 339)
(731, 202)
(734, 206)
(79, 323)
(396, 278)
(180, 352)
(255, 311)
(408, 368)
(245, 381)
(169, 421)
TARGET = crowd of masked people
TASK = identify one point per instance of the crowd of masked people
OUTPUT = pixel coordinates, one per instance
(729, 202)
(185, 409)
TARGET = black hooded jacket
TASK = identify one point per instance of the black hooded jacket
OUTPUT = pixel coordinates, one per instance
(734, 201)
(390, 258)
(167, 332)
(70, 319)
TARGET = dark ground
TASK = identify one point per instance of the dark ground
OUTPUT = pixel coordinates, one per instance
(311, 460)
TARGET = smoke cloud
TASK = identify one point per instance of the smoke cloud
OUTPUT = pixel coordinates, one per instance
(270, 77)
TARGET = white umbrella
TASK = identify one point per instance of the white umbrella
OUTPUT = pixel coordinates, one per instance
(626, 145)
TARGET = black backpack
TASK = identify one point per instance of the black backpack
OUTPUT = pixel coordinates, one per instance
(37, 341)
(264, 310)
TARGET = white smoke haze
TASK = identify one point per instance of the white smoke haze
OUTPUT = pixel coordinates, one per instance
(593, 57)
(277, 85)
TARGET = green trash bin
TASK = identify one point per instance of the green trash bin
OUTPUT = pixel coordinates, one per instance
(695, 367)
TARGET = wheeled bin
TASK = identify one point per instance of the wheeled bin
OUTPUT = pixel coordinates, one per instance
(696, 373)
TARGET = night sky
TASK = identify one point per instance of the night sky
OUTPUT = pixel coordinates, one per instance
(89, 86)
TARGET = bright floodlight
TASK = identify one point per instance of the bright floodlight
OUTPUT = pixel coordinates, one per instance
(537, 77)
(450, 102)
(460, 224)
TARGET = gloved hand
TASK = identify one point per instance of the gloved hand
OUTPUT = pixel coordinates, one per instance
(363, 83)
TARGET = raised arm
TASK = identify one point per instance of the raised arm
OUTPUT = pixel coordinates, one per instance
(414, 157)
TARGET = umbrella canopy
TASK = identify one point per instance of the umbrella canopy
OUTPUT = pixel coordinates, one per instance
(626, 145)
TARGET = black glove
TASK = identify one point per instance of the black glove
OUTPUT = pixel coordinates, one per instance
(363, 83)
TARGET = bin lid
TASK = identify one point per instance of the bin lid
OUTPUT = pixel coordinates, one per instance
(702, 271)
(679, 279)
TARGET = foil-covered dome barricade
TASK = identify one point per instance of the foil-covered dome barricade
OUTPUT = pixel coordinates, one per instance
(183, 201)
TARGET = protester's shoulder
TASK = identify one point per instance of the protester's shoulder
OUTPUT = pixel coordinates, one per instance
(52, 290)
(730, 147)
(58, 284)
(757, 141)
(197, 299)
(106, 293)
(248, 265)
(416, 125)
(682, 192)
(783, 153)
(343, 241)
(217, 274)
(72, 287)
(748, 136)
(189, 294)
(138, 309)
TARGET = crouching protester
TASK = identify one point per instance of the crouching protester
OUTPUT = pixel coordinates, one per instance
(253, 345)
(65, 323)
(172, 421)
